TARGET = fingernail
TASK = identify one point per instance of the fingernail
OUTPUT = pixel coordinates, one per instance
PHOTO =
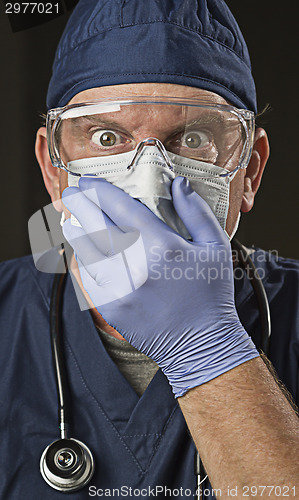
(67, 192)
(186, 185)
(85, 181)
(82, 181)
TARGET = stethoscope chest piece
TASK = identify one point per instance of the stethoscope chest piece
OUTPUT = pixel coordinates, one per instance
(67, 465)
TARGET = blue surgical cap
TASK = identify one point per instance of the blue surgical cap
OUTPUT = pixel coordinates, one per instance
(187, 42)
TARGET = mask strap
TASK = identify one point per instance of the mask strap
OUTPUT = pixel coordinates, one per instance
(235, 228)
(62, 219)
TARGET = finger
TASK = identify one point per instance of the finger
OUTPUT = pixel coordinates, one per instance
(93, 248)
(102, 231)
(195, 213)
(83, 247)
(111, 282)
(122, 209)
(88, 214)
(92, 195)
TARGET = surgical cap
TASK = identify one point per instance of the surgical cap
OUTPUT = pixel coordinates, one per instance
(187, 42)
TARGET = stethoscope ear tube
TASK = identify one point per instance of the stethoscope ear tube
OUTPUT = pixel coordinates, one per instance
(260, 293)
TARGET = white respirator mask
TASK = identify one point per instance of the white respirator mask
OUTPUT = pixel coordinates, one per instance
(147, 172)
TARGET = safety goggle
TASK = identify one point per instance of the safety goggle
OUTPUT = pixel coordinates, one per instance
(216, 134)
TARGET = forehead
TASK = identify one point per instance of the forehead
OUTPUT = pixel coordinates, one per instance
(147, 89)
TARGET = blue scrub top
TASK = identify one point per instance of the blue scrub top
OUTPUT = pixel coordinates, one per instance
(139, 444)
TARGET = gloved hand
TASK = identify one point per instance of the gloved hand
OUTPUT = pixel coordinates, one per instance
(171, 298)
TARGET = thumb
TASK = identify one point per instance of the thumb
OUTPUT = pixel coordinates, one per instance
(195, 213)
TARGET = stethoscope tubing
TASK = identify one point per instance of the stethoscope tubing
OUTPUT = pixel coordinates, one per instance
(260, 293)
(58, 354)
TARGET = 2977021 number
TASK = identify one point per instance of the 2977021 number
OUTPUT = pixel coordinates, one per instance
(31, 8)
(278, 491)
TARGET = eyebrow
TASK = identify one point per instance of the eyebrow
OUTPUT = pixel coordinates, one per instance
(205, 120)
(78, 122)
(92, 119)
(111, 124)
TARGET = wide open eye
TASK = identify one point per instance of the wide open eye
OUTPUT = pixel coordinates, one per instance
(195, 139)
(196, 142)
(105, 138)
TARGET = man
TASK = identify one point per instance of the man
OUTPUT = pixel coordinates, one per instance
(180, 313)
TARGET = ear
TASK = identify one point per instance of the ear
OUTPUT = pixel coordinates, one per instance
(255, 169)
(51, 175)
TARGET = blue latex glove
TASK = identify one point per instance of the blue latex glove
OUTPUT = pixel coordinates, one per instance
(171, 298)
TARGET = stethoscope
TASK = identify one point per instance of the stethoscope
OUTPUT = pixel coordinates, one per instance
(67, 465)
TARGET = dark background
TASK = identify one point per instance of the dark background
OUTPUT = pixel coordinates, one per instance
(271, 33)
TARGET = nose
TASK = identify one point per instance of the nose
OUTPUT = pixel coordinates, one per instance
(153, 142)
